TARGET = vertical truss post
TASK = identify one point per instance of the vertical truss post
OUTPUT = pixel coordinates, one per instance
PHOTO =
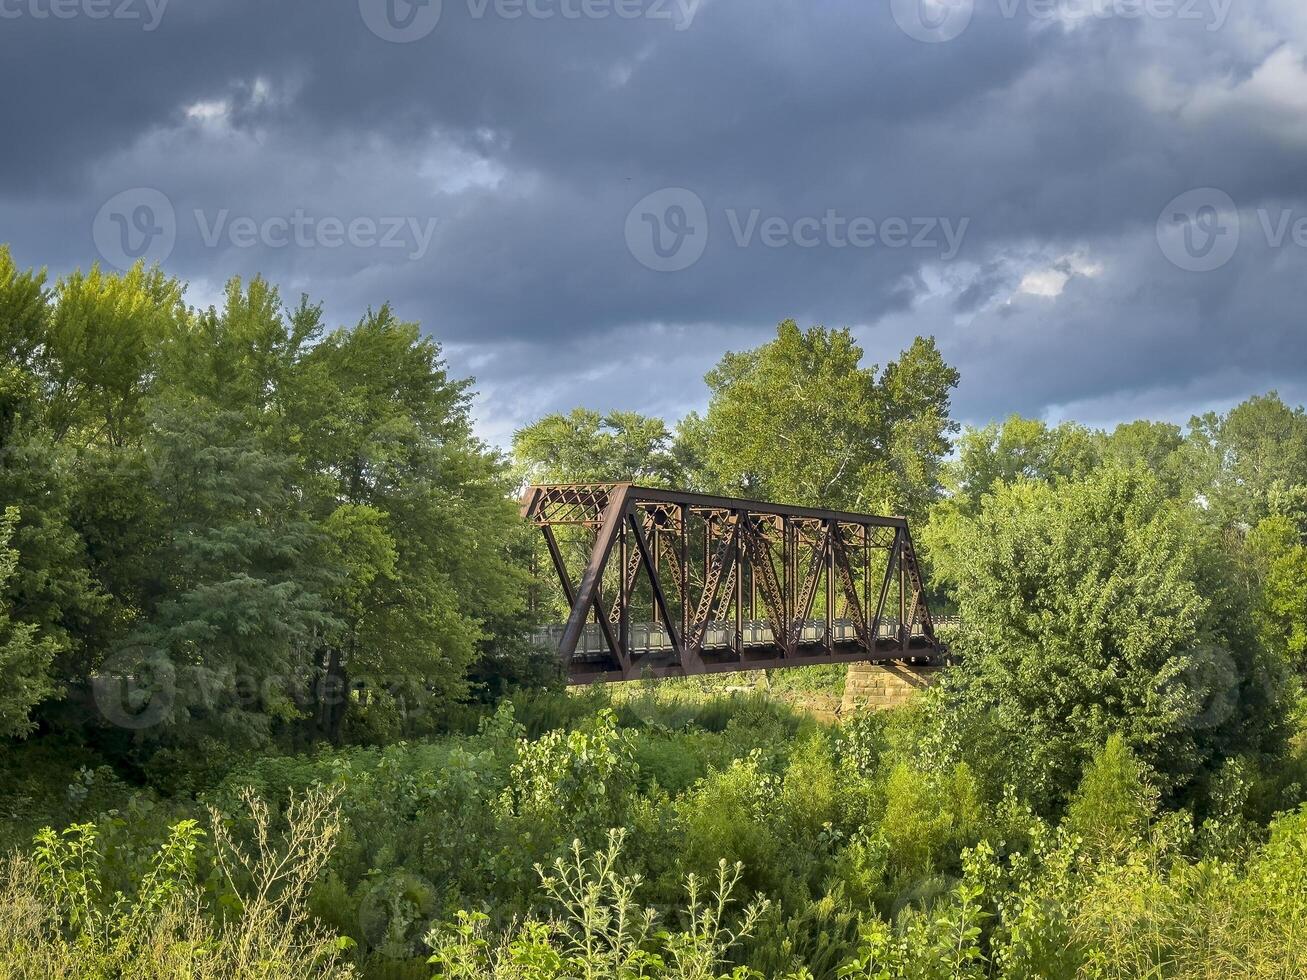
(832, 529)
(740, 569)
(625, 587)
(905, 631)
(685, 574)
(893, 557)
(780, 554)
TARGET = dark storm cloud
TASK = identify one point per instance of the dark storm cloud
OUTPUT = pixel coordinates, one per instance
(481, 179)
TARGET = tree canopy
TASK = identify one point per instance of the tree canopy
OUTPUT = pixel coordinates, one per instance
(586, 447)
(1093, 607)
(275, 513)
(802, 420)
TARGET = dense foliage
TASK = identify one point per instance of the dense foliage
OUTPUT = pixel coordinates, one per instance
(263, 607)
(1096, 607)
(222, 522)
(798, 420)
(660, 836)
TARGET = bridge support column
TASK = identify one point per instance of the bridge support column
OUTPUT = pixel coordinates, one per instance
(872, 687)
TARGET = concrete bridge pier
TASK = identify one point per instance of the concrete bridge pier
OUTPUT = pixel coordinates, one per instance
(874, 687)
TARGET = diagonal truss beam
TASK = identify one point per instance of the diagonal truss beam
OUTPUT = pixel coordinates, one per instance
(686, 561)
(808, 593)
(587, 595)
(721, 569)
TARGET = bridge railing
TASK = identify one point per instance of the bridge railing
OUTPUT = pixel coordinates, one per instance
(754, 634)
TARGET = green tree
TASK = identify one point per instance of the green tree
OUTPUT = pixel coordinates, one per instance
(1114, 803)
(24, 312)
(1259, 444)
(422, 507)
(1156, 446)
(100, 349)
(239, 590)
(1278, 548)
(231, 497)
(25, 655)
(586, 447)
(50, 586)
(1018, 449)
(800, 420)
(1099, 607)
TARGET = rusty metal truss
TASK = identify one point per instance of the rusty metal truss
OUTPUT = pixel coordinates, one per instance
(662, 583)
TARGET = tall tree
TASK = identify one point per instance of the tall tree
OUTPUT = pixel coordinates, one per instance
(50, 585)
(1277, 547)
(239, 585)
(801, 420)
(419, 511)
(25, 655)
(1017, 449)
(587, 447)
(1258, 444)
(1097, 607)
(916, 428)
(100, 351)
(235, 501)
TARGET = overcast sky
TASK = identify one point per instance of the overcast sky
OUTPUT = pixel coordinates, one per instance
(1098, 207)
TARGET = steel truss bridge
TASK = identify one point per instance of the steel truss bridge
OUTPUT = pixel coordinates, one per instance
(663, 583)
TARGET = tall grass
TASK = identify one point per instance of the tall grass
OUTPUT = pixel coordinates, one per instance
(56, 921)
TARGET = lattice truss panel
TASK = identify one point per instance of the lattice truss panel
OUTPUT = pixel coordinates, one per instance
(661, 583)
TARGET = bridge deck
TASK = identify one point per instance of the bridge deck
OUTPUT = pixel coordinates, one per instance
(755, 648)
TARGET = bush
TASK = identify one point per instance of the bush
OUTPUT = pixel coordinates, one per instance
(58, 920)
(1112, 808)
(1099, 607)
(599, 930)
(872, 859)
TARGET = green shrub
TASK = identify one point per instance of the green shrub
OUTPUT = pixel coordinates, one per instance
(1114, 804)
(599, 930)
(58, 919)
(733, 815)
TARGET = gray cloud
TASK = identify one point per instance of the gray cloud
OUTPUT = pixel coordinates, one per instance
(524, 143)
